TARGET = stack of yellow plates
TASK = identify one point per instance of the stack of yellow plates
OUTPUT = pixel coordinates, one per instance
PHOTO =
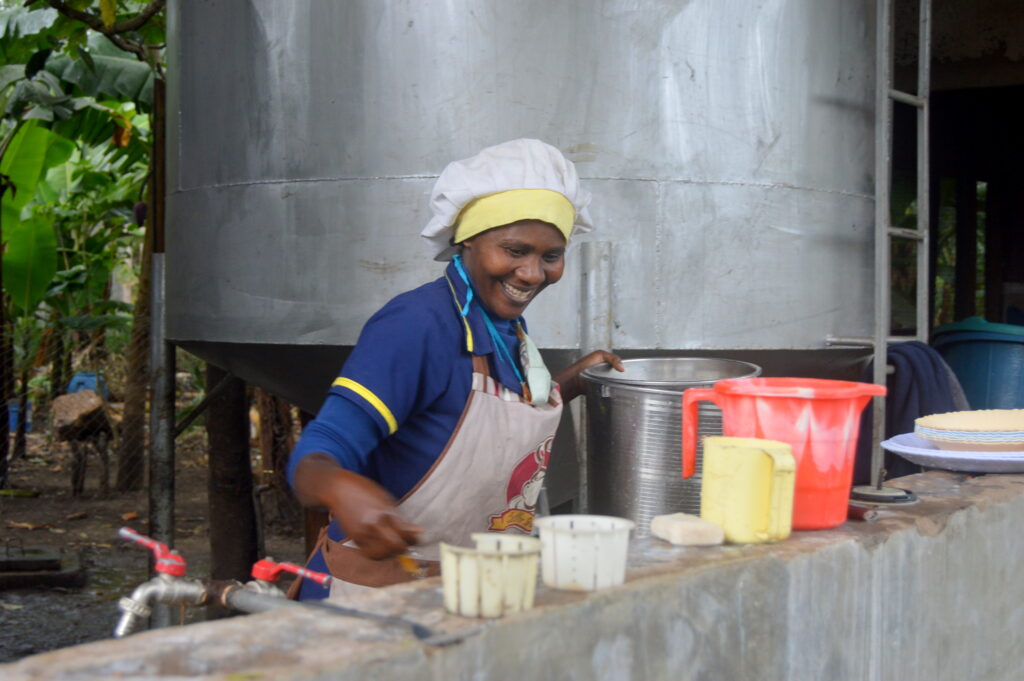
(984, 430)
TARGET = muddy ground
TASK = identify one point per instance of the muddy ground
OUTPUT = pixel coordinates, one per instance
(42, 618)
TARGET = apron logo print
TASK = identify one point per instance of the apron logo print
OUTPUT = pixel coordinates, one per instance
(523, 489)
(513, 517)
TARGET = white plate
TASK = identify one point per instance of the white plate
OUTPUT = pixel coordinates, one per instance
(926, 453)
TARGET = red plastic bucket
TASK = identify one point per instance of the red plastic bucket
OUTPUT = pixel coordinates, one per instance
(819, 418)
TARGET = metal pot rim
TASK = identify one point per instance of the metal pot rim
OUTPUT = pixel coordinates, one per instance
(665, 387)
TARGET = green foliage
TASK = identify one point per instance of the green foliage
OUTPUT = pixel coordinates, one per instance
(30, 261)
(75, 141)
(18, 22)
(110, 72)
(30, 153)
(24, 31)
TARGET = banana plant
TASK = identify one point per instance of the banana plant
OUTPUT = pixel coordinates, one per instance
(30, 245)
(82, 70)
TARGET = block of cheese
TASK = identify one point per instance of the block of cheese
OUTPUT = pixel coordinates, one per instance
(684, 529)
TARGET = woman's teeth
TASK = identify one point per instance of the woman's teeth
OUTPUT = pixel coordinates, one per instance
(517, 293)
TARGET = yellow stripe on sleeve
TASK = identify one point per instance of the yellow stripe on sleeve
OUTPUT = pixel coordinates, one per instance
(368, 395)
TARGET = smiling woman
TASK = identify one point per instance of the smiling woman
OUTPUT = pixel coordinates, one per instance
(510, 265)
(444, 413)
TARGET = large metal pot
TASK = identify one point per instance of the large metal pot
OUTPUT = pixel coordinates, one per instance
(634, 438)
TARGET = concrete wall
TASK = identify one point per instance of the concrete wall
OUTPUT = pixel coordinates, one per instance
(925, 593)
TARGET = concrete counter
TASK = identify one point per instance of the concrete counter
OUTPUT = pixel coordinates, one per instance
(926, 593)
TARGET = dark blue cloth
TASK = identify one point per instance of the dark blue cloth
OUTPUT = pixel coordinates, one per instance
(919, 386)
(415, 357)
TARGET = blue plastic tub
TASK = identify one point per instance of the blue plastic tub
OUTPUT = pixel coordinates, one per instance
(13, 410)
(987, 358)
(88, 380)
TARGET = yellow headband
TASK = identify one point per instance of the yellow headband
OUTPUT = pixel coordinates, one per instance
(513, 205)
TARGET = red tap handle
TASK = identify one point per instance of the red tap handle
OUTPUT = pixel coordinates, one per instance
(269, 571)
(167, 561)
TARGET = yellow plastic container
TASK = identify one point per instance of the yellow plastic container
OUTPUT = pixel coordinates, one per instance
(747, 488)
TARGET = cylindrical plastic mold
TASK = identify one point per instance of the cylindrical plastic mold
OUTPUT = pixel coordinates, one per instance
(583, 552)
(496, 578)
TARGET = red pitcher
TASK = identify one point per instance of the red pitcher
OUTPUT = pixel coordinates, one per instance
(819, 418)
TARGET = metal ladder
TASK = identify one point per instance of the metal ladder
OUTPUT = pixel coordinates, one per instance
(885, 96)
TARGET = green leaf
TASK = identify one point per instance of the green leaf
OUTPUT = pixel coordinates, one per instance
(57, 183)
(38, 112)
(11, 73)
(23, 161)
(31, 153)
(95, 321)
(30, 262)
(89, 126)
(58, 151)
(115, 73)
(17, 22)
(84, 55)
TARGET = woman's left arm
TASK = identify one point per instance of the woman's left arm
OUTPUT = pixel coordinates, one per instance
(569, 378)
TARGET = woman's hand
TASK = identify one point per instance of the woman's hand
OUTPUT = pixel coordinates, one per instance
(569, 379)
(365, 511)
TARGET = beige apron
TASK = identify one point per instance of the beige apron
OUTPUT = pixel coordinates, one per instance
(488, 478)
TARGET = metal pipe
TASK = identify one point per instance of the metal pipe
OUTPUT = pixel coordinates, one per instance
(247, 600)
(161, 426)
(258, 596)
(924, 60)
(883, 151)
(907, 98)
(211, 395)
(596, 296)
(862, 342)
(595, 334)
(907, 233)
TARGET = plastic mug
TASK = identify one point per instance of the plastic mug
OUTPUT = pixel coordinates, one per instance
(747, 488)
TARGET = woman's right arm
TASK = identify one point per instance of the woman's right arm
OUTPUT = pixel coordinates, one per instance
(326, 471)
(363, 508)
(401, 361)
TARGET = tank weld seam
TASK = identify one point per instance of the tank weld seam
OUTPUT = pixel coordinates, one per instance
(734, 183)
(726, 183)
(301, 180)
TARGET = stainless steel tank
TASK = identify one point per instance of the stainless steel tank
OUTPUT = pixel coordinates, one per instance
(634, 434)
(728, 146)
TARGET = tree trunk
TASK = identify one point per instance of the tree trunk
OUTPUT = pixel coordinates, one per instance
(132, 433)
(20, 443)
(130, 453)
(6, 379)
(6, 351)
(59, 365)
(6, 356)
(279, 505)
(233, 529)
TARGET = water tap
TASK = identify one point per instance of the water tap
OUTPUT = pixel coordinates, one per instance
(169, 585)
(265, 572)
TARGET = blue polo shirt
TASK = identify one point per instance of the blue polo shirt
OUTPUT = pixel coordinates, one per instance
(394, 407)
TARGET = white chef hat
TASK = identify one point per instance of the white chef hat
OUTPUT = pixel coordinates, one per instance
(524, 179)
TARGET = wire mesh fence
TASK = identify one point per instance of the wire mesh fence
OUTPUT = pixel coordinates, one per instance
(76, 470)
(78, 421)
(78, 395)
(78, 408)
